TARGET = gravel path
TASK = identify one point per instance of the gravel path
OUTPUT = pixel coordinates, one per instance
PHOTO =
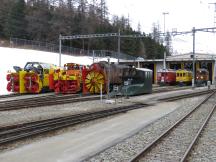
(125, 150)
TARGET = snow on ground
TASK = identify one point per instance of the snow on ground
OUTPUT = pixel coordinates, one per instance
(18, 57)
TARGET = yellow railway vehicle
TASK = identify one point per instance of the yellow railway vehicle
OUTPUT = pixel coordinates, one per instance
(183, 77)
(67, 80)
(33, 78)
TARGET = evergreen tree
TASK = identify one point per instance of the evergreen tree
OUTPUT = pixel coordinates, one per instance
(44, 20)
(38, 19)
(16, 23)
(4, 8)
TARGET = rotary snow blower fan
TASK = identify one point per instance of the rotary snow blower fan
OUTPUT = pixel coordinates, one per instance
(94, 79)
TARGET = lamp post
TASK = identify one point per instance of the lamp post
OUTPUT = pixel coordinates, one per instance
(165, 13)
(193, 75)
(164, 63)
(108, 84)
(60, 49)
(119, 44)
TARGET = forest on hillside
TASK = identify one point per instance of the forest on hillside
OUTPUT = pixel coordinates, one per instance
(45, 20)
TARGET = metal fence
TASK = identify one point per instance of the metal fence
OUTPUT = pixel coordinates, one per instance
(53, 47)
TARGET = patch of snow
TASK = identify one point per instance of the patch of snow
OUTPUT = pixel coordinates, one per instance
(18, 57)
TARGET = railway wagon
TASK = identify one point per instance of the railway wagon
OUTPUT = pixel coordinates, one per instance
(183, 77)
(33, 78)
(166, 77)
(140, 82)
(100, 75)
(202, 77)
(68, 79)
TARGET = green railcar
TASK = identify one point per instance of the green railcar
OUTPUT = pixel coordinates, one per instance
(140, 82)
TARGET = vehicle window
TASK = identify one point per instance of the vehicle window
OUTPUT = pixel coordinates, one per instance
(36, 66)
(183, 74)
(45, 66)
(28, 66)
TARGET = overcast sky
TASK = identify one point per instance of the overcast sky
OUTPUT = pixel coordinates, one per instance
(183, 16)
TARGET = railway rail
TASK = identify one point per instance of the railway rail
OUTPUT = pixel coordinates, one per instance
(177, 141)
(169, 88)
(204, 149)
(52, 99)
(182, 96)
(13, 133)
(27, 98)
(41, 100)
(156, 89)
(44, 101)
(9, 95)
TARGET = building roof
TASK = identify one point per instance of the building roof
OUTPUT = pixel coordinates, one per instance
(182, 57)
(189, 57)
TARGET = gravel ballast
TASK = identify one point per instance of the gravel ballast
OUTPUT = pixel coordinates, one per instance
(46, 112)
(128, 148)
(205, 150)
(122, 151)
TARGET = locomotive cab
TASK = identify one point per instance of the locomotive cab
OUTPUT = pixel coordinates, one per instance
(33, 78)
(183, 77)
(69, 79)
(202, 77)
(166, 77)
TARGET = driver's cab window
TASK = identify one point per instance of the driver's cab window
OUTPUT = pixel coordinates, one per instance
(38, 67)
(28, 66)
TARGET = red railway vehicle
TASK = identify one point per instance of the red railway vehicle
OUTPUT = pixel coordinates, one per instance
(166, 77)
(202, 77)
(33, 78)
(67, 80)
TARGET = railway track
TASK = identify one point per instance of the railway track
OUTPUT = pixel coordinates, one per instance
(52, 99)
(44, 101)
(168, 88)
(156, 89)
(27, 98)
(188, 95)
(13, 133)
(9, 95)
(176, 143)
(204, 149)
